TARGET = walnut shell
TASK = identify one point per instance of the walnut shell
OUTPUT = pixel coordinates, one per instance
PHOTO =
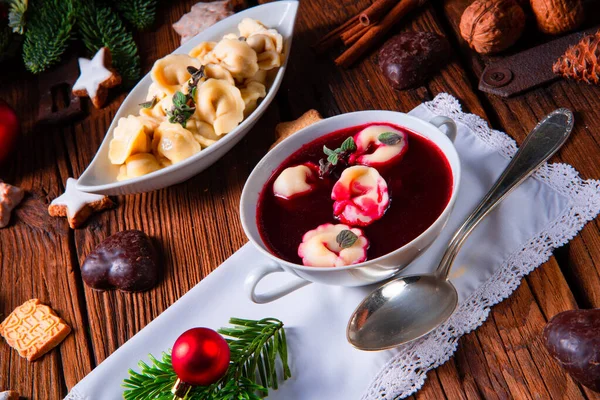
(490, 26)
(557, 16)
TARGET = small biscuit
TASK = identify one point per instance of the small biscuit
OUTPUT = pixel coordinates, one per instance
(77, 206)
(10, 197)
(97, 76)
(33, 329)
(285, 129)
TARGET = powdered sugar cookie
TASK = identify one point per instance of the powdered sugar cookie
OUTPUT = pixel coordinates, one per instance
(201, 16)
(76, 205)
(96, 77)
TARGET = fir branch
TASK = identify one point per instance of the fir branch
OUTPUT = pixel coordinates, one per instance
(99, 27)
(16, 15)
(255, 347)
(48, 34)
(140, 13)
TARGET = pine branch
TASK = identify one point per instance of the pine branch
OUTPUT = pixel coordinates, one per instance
(140, 13)
(254, 346)
(100, 26)
(48, 34)
(16, 15)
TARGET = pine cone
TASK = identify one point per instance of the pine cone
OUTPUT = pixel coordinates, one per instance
(581, 62)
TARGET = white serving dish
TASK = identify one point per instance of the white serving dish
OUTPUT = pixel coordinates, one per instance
(101, 176)
(367, 272)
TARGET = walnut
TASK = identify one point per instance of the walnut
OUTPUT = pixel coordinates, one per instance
(557, 16)
(490, 26)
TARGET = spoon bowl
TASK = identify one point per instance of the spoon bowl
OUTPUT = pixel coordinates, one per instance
(401, 310)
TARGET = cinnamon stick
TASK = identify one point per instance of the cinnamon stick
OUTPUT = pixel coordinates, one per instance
(353, 30)
(376, 11)
(375, 32)
(349, 41)
(329, 40)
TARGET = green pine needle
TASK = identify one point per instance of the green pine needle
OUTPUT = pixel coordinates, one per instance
(16, 15)
(99, 27)
(140, 13)
(255, 347)
(48, 34)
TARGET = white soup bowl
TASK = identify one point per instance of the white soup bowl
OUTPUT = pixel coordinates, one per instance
(367, 272)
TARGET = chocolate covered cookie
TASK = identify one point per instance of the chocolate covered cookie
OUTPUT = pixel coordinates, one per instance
(408, 59)
(126, 261)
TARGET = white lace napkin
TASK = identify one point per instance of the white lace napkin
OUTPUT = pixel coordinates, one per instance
(544, 212)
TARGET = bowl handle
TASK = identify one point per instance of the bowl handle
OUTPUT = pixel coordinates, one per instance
(257, 274)
(450, 126)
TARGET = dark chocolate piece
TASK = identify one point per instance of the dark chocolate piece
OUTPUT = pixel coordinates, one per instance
(57, 102)
(126, 260)
(410, 58)
(573, 339)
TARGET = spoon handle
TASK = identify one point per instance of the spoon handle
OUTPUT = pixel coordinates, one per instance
(541, 143)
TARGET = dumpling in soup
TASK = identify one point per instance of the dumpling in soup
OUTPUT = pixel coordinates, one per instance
(220, 103)
(237, 57)
(174, 142)
(170, 72)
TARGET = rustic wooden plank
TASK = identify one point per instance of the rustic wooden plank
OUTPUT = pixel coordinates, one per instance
(26, 269)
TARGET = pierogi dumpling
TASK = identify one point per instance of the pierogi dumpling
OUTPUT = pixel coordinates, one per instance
(321, 247)
(360, 196)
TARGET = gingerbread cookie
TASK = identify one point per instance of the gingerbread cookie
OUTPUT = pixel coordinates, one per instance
(33, 329)
(201, 16)
(76, 205)
(96, 77)
(10, 197)
(285, 129)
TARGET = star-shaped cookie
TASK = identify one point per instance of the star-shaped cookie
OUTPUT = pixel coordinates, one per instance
(96, 77)
(76, 205)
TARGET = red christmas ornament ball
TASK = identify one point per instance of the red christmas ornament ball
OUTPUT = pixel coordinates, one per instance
(9, 130)
(200, 356)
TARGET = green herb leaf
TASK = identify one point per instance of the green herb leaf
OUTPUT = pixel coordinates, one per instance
(348, 145)
(346, 238)
(333, 159)
(389, 138)
(328, 151)
(149, 104)
(179, 99)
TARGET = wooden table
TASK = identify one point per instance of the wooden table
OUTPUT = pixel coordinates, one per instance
(198, 226)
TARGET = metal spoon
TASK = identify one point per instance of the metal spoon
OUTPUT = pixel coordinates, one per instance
(409, 307)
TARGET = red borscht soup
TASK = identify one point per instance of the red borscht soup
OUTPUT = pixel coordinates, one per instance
(356, 199)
